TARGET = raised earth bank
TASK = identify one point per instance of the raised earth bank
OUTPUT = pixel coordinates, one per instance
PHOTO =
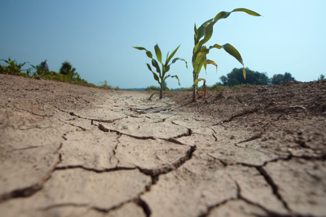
(67, 150)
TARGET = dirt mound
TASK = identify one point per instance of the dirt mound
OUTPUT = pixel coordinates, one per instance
(68, 150)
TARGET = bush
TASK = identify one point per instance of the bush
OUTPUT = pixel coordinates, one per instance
(282, 78)
(104, 85)
(13, 67)
(152, 88)
(235, 77)
(67, 72)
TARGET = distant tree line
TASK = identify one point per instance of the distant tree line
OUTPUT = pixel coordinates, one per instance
(235, 77)
(67, 72)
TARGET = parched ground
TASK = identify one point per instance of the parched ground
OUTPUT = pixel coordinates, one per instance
(67, 150)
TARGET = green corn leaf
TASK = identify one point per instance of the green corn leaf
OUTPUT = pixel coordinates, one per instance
(211, 62)
(245, 10)
(156, 65)
(171, 55)
(180, 59)
(208, 34)
(148, 53)
(233, 52)
(201, 29)
(140, 48)
(200, 61)
(165, 69)
(156, 77)
(176, 77)
(158, 53)
(196, 39)
(217, 46)
(221, 15)
(244, 73)
(149, 67)
(167, 55)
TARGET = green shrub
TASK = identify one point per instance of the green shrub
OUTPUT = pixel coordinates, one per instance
(282, 78)
(235, 77)
(13, 67)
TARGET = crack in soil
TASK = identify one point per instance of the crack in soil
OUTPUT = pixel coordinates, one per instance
(107, 130)
(274, 187)
(73, 125)
(30, 190)
(33, 189)
(90, 119)
(26, 148)
(210, 208)
(269, 180)
(106, 170)
(171, 167)
(240, 197)
(60, 205)
(145, 207)
(153, 173)
(151, 110)
(172, 139)
(34, 113)
(137, 199)
(115, 150)
(240, 114)
(252, 138)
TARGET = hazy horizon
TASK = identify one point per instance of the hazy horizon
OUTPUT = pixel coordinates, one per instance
(97, 37)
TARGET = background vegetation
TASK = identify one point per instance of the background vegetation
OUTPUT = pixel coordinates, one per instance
(67, 72)
(255, 78)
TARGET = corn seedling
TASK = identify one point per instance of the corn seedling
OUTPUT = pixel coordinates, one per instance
(200, 51)
(162, 67)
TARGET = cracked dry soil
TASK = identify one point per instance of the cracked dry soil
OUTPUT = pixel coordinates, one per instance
(67, 150)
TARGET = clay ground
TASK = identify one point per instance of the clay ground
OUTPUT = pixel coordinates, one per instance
(67, 150)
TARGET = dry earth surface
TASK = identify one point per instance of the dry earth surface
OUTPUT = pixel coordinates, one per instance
(67, 150)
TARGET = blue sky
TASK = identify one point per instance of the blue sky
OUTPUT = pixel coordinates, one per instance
(97, 36)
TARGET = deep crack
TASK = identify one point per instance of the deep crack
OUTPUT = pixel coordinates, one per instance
(172, 139)
(33, 189)
(145, 207)
(168, 168)
(273, 186)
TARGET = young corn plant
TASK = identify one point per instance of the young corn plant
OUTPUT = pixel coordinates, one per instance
(162, 67)
(200, 51)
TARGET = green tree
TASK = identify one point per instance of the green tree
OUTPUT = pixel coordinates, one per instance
(282, 78)
(69, 71)
(321, 77)
(235, 77)
(200, 51)
(161, 67)
(42, 69)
